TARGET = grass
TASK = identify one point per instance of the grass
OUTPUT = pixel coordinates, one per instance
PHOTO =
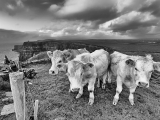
(55, 101)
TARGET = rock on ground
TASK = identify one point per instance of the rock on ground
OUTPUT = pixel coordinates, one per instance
(7, 109)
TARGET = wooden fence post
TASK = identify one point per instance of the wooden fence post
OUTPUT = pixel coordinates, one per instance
(36, 109)
(18, 92)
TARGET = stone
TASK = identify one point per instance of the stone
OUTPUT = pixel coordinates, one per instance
(7, 109)
(8, 99)
(8, 94)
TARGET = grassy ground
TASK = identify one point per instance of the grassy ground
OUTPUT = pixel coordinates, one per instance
(55, 101)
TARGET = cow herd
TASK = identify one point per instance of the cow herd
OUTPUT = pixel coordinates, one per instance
(83, 67)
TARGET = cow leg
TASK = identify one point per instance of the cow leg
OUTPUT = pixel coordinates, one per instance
(118, 90)
(109, 76)
(80, 93)
(69, 88)
(131, 96)
(98, 82)
(91, 92)
(104, 80)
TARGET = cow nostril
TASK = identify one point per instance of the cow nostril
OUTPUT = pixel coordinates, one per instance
(75, 89)
(142, 84)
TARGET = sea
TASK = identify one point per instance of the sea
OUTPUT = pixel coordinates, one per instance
(6, 49)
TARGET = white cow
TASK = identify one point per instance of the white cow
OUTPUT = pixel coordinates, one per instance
(64, 56)
(85, 68)
(132, 71)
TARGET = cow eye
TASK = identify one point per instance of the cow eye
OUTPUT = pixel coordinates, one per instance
(60, 61)
(81, 74)
(136, 69)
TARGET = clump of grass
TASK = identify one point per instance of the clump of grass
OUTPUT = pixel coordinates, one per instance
(4, 85)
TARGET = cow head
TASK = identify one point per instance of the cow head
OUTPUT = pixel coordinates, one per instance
(77, 72)
(68, 54)
(56, 57)
(143, 68)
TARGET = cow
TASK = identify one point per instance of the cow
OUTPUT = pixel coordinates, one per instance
(64, 56)
(85, 68)
(132, 71)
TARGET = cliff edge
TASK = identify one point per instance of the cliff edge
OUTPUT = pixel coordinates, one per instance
(32, 48)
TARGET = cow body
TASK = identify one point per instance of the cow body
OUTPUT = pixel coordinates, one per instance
(101, 60)
(85, 68)
(64, 56)
(132, 71)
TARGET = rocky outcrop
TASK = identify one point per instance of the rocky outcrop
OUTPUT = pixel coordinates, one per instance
(29, 49)
(17, 48)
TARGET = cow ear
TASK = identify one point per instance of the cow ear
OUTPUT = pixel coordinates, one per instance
(68, 55)
(156, 66)
(64, 59)
(149, 56)
(130, 62)
(69, 50)
(50, 54)
(87, 65)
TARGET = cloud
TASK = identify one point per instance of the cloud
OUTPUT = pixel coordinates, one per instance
(11, 7)
(130, 21)
(79, 29)
(36, 7)
(54, 8)
(41, 4)
(144, 32)
(152, 6)
(126, 6)
(89, 18)
(101, 10)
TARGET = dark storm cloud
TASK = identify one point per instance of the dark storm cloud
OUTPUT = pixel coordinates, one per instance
(144, 32)
(130, 21)
(99, 15)
(8, 6)
(131, 25)
(153, 7)
(98, 11)
(13, 7)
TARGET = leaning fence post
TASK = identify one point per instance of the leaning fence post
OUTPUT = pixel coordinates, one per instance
(18, 92)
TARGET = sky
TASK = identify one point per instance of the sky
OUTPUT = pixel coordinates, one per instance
(102, 19)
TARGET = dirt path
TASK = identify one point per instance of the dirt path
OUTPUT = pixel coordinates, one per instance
(55, 101)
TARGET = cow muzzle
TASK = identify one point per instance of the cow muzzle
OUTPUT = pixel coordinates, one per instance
(52, 72)
(75, 89)
(143, 84)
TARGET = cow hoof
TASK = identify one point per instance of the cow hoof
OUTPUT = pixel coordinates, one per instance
(131, 101)
(103, 86)
(91, 101)
(115, 101)
(78, 96)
